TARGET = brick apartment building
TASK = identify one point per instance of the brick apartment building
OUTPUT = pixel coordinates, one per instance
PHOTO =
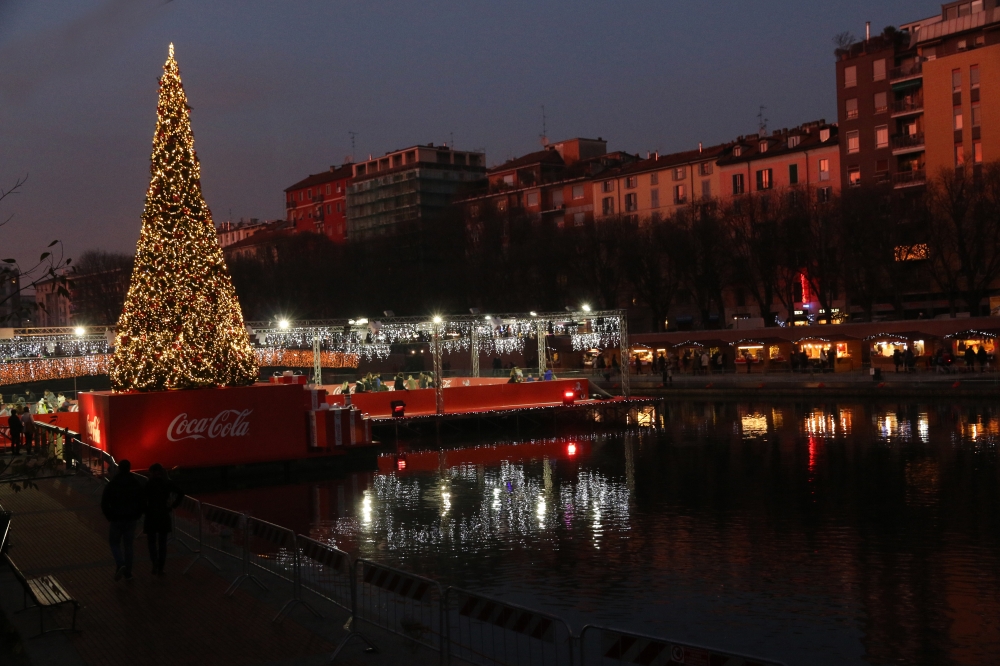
(915, 101)
(406, 186)
(318, 203)
(554, 183)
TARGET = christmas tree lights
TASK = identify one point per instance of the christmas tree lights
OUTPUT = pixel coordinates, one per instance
(181, 326)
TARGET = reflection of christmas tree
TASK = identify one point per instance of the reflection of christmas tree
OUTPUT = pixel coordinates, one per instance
(181, 326)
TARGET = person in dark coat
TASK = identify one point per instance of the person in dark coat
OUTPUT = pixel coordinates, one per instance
(983, 358)
(162, 496)
(14, 422)
(122, 503)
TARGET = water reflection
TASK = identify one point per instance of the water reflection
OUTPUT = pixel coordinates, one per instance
(819, 533)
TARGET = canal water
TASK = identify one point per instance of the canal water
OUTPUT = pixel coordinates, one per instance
(813, 533)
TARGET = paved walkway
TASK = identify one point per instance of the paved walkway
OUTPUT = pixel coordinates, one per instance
(178, 619)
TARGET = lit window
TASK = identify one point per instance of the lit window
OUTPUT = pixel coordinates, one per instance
(763, 146)
(959, 155)
(738, 183)
(679, 173)
(882, 136)
(794, 141)
(824, 135)
(764, 179)
(854, 176)
(737, 151)
(578, 191)
(977, 152)
(850, 76)
(851, 107)
(958, 118)
(680, 194)
(853, 142)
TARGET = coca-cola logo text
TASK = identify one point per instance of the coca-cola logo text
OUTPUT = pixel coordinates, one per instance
(227, 423)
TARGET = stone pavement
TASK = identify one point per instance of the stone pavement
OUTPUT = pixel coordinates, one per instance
(177, 619)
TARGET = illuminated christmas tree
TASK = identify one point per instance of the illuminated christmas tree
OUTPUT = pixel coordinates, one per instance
(181, 326)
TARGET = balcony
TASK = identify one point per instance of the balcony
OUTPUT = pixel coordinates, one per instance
(907, 106)
(911, 70)
(909, 178)
(907, 143)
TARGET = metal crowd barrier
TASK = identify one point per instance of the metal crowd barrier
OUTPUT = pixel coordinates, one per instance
(486, 631)
(400, 602)
(606, 647)
(458, 624)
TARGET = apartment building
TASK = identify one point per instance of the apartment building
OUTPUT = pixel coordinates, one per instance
(659, 185)
(805, 157)
(319, 203)
(553, 184)
(405, 186)
(915, 101)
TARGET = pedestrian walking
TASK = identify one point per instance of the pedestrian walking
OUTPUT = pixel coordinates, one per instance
(14, 423)
(122, 504)
(897, 358)
(161, 496)
(28, 428)
(704, 363)
(983, 358)
(668, 371)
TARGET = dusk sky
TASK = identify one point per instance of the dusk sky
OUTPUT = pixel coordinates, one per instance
(276, 87)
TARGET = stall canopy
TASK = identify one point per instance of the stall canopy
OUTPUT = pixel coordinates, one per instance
(699, 344)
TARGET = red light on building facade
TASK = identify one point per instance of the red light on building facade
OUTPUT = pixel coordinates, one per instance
(571, 449)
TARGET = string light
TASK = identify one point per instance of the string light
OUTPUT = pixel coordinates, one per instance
(44, 369)
(300, 358)
(181, 326)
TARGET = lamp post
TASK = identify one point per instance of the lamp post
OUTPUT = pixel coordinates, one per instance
(436, 350)
(79, 331)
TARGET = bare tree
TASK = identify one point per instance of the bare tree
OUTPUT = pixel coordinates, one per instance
(51, 264)
(98, 283)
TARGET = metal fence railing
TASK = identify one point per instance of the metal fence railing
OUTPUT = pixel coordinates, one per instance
(459, 625)
(483, 630)
(402, 603)
(601, 646)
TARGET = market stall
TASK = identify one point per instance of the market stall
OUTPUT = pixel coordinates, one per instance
(828, 353)
(764, 354)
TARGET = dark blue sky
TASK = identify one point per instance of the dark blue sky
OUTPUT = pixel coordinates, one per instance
(276, 87)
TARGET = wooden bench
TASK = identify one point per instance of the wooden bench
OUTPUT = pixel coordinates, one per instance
(45, 592)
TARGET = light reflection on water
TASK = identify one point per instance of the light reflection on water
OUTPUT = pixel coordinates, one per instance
(810, 532)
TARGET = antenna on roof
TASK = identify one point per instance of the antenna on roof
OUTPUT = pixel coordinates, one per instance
(353, 135)
(761, 122)
(451, 140)
(544, 136)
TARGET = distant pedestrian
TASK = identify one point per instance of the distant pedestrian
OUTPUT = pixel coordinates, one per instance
(909, 360)
(983, 358)
(897, 358)
(548, 375)
(14, 423)
(398, 384)
(748, 359)
(970, 359)
(638, 365)
(161, 496)
(122, 504)
(704, 363)
(28, 428)
(668, 371)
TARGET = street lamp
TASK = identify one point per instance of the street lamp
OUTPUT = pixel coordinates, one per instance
(283, 324)
(437, 319)
(79, 331)
(585, 307)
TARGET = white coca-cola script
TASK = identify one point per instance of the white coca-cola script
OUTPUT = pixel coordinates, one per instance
(227, 423)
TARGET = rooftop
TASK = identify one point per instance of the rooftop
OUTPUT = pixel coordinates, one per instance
(334, 173)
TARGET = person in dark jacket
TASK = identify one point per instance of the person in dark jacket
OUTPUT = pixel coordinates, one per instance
(162, 496)
(14, 422)
(122, 503)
